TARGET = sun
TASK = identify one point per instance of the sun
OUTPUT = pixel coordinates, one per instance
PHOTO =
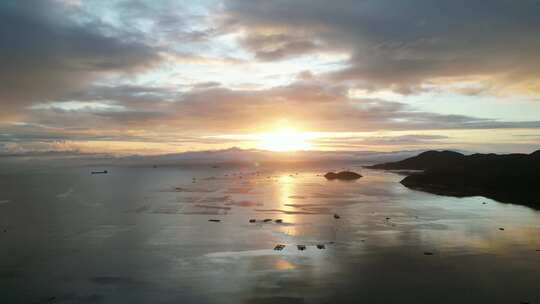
(285, 139)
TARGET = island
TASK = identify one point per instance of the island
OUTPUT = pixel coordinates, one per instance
(510, 178)
(343, 175)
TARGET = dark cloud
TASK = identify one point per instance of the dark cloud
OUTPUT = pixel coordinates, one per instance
(401, 45)
(269, 47)
(44, 54)
(168, 21)
(134, 96)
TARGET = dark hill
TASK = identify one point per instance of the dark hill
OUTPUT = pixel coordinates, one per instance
(424, 161)
(512, 178)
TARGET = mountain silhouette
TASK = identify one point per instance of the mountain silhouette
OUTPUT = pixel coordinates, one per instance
(423, 161)
(510, 178)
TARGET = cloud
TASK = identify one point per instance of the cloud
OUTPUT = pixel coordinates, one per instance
(401, 46)
(311, 104)
(176, 74)
(318, 106)
(399, 140)
(45, 55)
(270, 47)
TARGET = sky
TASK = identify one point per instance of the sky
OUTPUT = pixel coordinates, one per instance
(153, 77)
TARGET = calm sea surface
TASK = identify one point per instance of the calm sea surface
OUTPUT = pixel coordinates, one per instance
(143, 235)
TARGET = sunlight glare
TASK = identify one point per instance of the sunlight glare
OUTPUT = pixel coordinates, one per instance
(285, 139)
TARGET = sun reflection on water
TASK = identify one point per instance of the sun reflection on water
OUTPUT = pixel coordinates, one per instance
(287, 187)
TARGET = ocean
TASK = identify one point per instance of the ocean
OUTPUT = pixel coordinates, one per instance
(140, 234)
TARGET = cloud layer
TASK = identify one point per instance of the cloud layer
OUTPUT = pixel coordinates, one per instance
(45, 55)
(181, 76)
(401, 46)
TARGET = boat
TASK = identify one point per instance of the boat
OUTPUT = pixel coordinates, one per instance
(100, 172)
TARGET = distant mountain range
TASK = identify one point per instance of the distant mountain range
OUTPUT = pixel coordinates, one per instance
(512, 178)
(231, 156)
(239, 156)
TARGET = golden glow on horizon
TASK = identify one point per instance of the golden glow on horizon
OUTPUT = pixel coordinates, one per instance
(285, 139)
(292, 139)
